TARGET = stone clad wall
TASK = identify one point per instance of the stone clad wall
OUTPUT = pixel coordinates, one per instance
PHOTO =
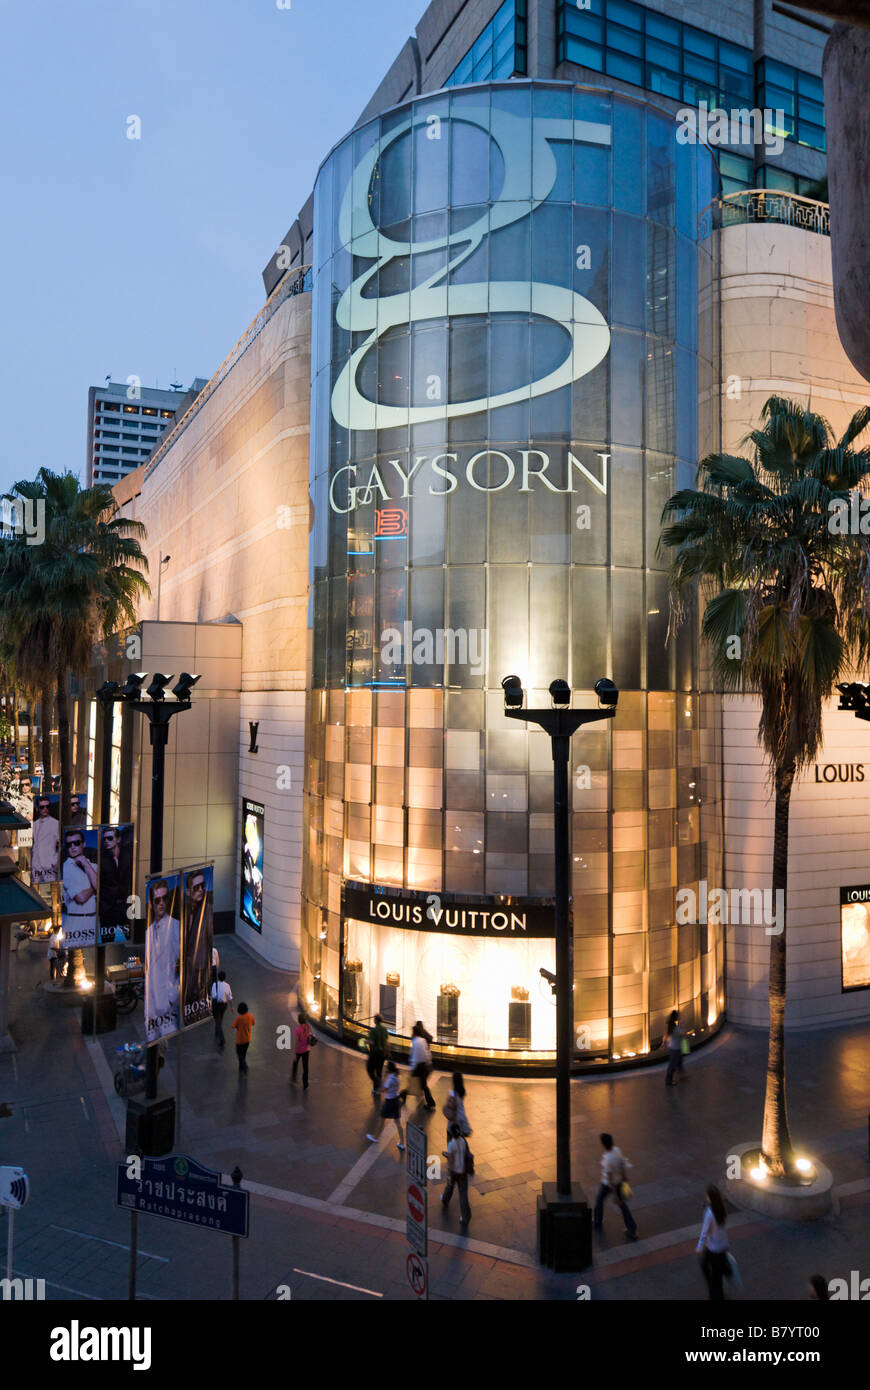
(779, 336)
(229, 503)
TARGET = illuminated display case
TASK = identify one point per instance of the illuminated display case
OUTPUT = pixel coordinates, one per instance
(855, 936)
(515, 362)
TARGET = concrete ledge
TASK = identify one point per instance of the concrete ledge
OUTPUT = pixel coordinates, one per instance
(782, 1200)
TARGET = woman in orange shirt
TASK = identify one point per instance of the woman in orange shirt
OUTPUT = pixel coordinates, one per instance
(244, 1026)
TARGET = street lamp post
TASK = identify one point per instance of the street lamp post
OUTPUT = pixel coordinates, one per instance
(563, 1213)
(158, 711)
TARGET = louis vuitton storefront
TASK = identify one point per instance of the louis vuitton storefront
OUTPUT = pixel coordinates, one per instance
(513, 357)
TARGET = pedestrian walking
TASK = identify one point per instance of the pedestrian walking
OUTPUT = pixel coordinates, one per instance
(55, 955)
(391, 1106)
(675, 1050)
(243, 1023)
(221, 998)
(613, 1180)
(421, 1062)
(458, 1166)
(454, 1107)
(713, 1245)
(379, 1046)
(302, 1047)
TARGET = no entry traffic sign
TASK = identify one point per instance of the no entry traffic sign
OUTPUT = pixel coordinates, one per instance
(418, 1275)
(416, 1221)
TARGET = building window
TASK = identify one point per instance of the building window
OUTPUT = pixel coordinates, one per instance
(652, 51)
(736, 171)
(798, 97)
(781, 181)
(167, 414)
(500, 51)
(108, 405)
(148, 410)
(662, 55)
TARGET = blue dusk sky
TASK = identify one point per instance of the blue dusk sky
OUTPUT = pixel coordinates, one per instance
(144, 256)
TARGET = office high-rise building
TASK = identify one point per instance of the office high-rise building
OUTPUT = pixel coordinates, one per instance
(125, 422)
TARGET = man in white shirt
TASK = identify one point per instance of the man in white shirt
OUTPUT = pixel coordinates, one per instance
(457, 1175)
(613, 1166)
(79, 877)
(162, 956)
(221, 998)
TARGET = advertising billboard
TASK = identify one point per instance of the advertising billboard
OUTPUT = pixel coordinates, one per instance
(197, 940)
(79, 887)
(115, 887)
(162, 955)
(251, 893)
(43, 863)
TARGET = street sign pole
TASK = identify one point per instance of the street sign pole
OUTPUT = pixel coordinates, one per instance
(134, 1241)
(417, 1217)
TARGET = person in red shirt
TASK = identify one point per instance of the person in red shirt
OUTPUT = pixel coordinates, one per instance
(244, 1025)
(302, 1046)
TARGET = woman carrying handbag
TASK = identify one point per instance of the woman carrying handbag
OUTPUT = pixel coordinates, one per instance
(454, 1108)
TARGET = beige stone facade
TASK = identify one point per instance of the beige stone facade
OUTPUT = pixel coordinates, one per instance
(779, 336)
(227, 499)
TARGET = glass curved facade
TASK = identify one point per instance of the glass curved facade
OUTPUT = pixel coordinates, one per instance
(513, 366)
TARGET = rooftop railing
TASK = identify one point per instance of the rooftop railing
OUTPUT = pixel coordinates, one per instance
(765, 205)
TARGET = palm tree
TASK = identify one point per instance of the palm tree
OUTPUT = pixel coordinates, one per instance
(58, 598)
(787, 596)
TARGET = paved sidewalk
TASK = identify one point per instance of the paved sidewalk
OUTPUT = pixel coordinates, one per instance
(327, 1214)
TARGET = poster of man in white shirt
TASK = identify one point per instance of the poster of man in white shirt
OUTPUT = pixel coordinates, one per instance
(79, 888)
(162, 956)
(43, 863)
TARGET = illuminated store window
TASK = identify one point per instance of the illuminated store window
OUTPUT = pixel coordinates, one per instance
(500, 51)
(798, 96)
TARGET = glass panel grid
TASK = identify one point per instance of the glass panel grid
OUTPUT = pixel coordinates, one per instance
(498, 52)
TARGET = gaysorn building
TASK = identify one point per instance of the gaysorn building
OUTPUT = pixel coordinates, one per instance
(542, 291)
(507, 363)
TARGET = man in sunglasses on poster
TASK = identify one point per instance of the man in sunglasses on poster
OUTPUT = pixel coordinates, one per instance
(43, 867)
(79, 878)
(163, 952)
(116, 885)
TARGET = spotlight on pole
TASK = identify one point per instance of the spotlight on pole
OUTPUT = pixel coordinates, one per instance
(157, 688)
(607, 692)
(132, 687)
(560, 692)
(185, 683)
(513, 692)
(108, 690)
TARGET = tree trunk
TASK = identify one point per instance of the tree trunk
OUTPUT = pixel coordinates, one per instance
(76, 968)
(45, 735)
(64, 749)
(31, 751)
(776, 1145)
(15, 714)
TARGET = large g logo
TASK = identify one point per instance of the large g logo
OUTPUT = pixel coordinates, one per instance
(588, 333)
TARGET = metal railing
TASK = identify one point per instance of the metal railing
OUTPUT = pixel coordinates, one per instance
(765, 205)
(296, 281)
